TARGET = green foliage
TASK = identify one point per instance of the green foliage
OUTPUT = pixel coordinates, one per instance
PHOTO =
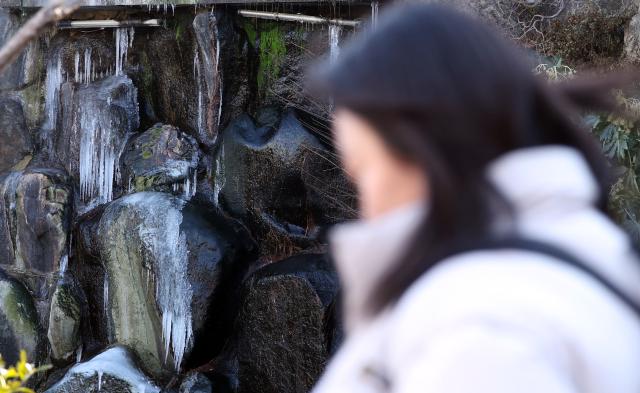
(12, 379)
(620, 138)
(272, 50)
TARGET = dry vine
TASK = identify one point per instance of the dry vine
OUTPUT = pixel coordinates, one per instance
(525, 20)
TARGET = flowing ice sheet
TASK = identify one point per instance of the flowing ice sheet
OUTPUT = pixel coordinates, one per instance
(160, 234)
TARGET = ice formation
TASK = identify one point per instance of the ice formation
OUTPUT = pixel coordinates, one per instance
(117, 363)
(161, 235)
(124, 40)
(52, 95)
(334, 42)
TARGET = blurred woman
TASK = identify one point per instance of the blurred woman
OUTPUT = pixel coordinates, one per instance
(484, 260)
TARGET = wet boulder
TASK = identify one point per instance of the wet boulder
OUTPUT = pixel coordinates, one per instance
(19, 325)
(284, 334)
(161, 159)
(278, 178)
(181, 76)
(35, 211)
(96, 120)
(65, 320)
(113, 371)
(196, 383)
(16, 145)
(159, 273)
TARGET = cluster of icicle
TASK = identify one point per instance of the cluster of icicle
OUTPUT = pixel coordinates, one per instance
(163, 6)
(124, 40)
(188, 187)
(87, 73)
(97, 156)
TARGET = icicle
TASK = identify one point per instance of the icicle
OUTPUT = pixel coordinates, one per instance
(334, 41)
(100, 380)
(52, 96)
(79, 354)
(218, 179)
(196, 75)
(374, 13)
(77, 66)
(186, 188)
(64, 261)
(195, 183)
(87, 66)
(105, 293)
(219, 76)
(173, 9)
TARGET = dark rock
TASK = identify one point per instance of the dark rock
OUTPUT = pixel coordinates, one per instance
(35, 209)
(279, 179)
(160, 158)
(113, 371)
(196, 383)
(96, 121)
(168, 268)
(182, 77)
(208, 78)
(282, 333)
(16, 145)
(19, 325)
(24, 70)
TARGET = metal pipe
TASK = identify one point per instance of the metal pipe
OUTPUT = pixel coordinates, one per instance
(109, 24)
(297, 18)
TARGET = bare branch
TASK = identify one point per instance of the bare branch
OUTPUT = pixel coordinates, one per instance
(53, 12)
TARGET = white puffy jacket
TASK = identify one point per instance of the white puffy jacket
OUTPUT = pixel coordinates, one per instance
(502, 320)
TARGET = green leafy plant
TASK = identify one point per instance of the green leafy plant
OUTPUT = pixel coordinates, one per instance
(620, 140)
(13, 378)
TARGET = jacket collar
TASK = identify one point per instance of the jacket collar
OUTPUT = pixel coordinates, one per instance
(535, 181)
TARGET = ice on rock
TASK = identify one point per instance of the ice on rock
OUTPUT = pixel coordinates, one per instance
(114, 362)
(101, 143)
(167, 245)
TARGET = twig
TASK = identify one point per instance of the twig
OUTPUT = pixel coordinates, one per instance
(52, 12)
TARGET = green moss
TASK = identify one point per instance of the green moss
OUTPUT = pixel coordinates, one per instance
(146, 154)
(272, 50)
(142, 183)
(19, 309)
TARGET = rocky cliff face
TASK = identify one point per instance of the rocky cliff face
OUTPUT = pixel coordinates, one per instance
(162, 191)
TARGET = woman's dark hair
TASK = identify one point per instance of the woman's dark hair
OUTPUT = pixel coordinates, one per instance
(451, 94)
